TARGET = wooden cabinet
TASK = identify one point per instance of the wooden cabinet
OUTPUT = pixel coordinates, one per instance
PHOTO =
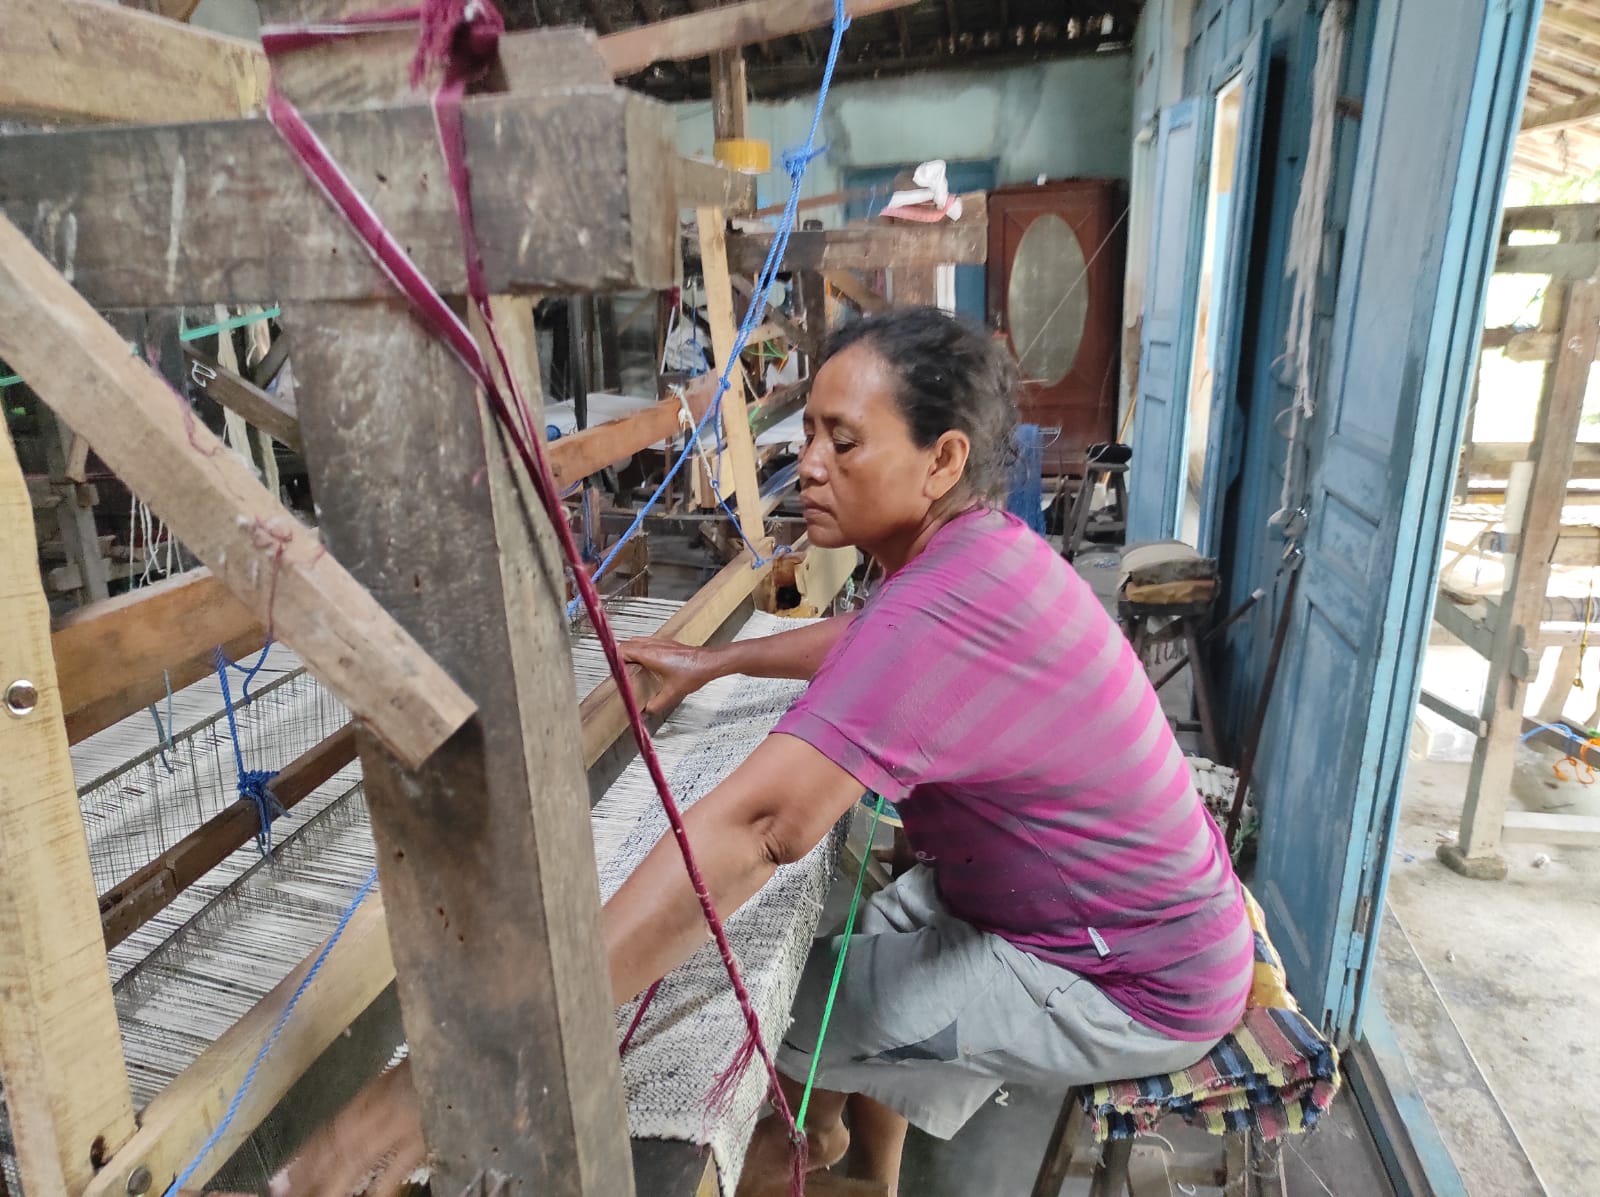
(1055, 289)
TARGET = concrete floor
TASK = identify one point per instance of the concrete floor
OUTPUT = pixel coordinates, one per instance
(1494, 987)
(1516, 969)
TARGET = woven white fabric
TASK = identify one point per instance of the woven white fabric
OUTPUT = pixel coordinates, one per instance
(694, 1026)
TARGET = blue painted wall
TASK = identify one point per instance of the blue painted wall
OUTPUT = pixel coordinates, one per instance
(1061, 119)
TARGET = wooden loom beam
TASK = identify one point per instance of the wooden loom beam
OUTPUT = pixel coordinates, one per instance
(1518, 634)
(876, 246)
(110, 656)
(272, 564)
(701, 34)
(71, 60)
(60, 1050)
(147, 217)
(272, 415)
(741, 448)
(485, 852)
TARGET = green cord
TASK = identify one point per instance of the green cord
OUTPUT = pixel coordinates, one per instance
(838, 969)
(192, 334)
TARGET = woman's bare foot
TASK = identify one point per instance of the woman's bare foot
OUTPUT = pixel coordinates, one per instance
(766, 1163)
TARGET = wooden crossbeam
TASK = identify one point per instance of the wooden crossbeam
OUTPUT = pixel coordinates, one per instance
(150, 217)
(60, 1053)
(1573, 262)
(871, 246)
(701, 34)
(85, 60)
(110, 655)
(1562, 116)
(856, 291)
(803, 339)
(147, 891)
(575, 457)
(261, 409)
(215, 505)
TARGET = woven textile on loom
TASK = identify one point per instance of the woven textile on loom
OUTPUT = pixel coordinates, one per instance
(692, 1029)
(1274, 1074)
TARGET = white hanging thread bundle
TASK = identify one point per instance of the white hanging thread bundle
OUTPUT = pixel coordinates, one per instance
(1306, 239)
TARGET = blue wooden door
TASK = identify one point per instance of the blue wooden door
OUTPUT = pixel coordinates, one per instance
(1155, 481)
(1225, 430)
(1438, 126)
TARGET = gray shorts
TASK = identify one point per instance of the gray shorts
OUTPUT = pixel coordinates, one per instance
(933, 1016)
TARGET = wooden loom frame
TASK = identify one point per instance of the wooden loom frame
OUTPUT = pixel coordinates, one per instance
(75, 1128)
(1512, 632)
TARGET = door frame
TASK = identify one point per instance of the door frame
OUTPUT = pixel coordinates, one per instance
(1494, 113)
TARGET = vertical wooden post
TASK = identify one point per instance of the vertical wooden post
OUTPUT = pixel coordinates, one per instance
(60, 1051)
(735, 415)
(485, 853)
(1476, 852)
(74, 517)
(730, 95)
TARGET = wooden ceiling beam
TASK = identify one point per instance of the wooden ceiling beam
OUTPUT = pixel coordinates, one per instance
(81, 60)
(1567, 21)
(1551, 119)
(701, 34)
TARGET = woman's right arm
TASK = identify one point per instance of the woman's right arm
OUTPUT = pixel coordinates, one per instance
(684, 668)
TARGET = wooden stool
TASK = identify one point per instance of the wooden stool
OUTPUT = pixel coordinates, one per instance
(1111, 461)
(1191, 621)
(1243, 1163)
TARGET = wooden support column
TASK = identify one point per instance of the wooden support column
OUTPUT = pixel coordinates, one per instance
(730, 95)
(735, 416)
(485, 853)
(1476, 852)
(60, 1051)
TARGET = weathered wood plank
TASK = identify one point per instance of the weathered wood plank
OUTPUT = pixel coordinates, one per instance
(573, 458)
(741, 448)
(1573, 262)
(700, 34)
(60, 1052)
(856, 291)
(181, 1117)
(261, 409)
(573, 199)
(119, 646)
(876, 246)
(214, 504)
(83, 60)
(485, 852)
(143, 894)
(376, 69)
(705, 184)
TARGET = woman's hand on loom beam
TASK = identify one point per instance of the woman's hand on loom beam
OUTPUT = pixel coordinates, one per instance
(770, 811)
(681, 669)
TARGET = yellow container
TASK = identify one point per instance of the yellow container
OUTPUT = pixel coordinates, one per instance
(744, 154)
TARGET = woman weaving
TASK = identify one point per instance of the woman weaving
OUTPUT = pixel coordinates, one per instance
(1074, 916)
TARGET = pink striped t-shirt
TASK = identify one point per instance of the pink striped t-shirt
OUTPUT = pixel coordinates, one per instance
(986, 692)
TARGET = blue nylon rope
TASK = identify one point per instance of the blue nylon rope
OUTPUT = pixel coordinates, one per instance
(795, 162)
(253, 783)
(271, 1041)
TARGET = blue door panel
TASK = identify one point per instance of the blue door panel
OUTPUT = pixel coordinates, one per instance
(1155, 480)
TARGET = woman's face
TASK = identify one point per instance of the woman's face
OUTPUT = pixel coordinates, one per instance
(863, 479)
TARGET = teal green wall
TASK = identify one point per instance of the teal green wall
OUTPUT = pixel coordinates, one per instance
(1061, 119)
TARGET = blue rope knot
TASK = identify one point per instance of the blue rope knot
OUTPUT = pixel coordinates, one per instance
(254, 785)
(796, 160)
